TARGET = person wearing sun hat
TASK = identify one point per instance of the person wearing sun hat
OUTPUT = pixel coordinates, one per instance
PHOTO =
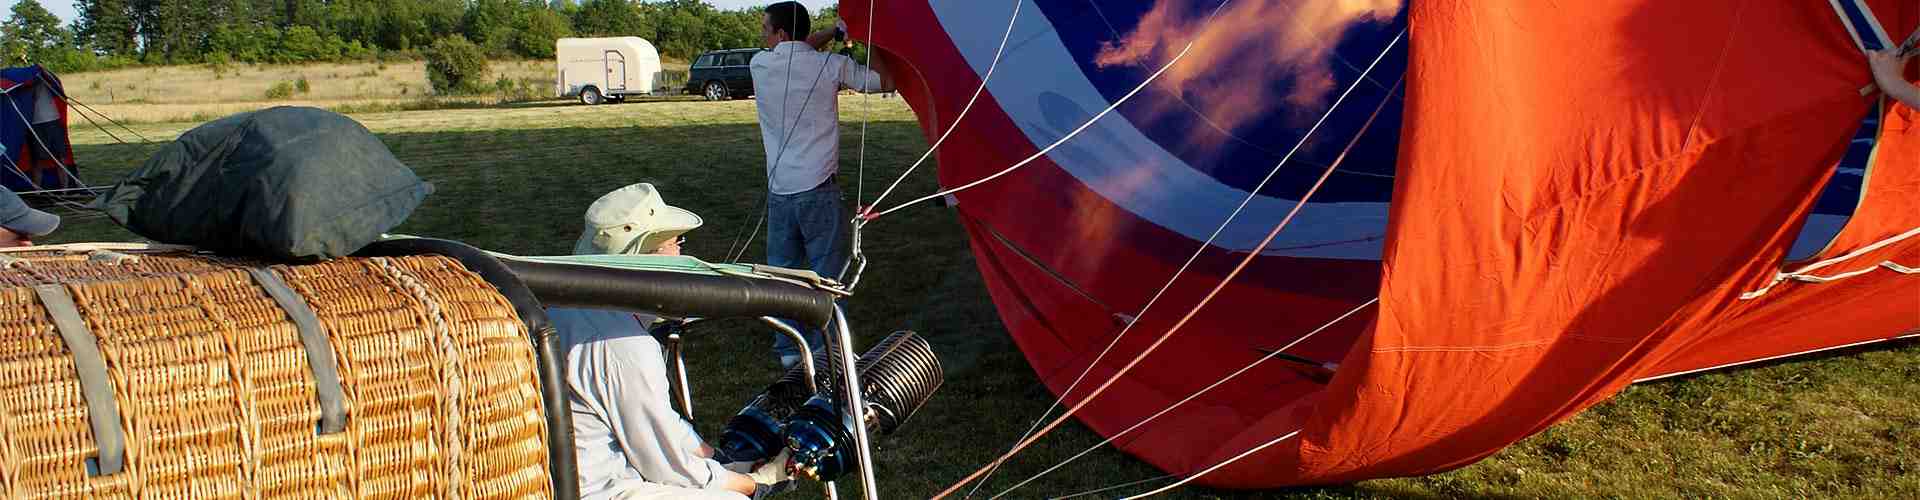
(629, 441)
(634, 220)
(20, 223)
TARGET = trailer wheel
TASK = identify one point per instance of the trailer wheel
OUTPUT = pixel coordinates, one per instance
(591, 96)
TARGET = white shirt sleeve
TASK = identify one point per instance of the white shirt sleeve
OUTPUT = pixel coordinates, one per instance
(656, 440)
(856, 77)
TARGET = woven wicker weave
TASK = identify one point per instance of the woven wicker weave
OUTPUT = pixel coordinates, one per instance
(218, 399)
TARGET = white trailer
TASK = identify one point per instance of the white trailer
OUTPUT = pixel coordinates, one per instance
(598, 70)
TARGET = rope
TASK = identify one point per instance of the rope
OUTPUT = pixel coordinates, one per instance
(1076, 131)
(86, 109)
(37, 188)
(866, 103)
(869, 215)
(1805, 273)
(49, 150)
(62, 92)
(1196, 395)
(866, 213)
(760, 209)
(1330, 168)
(1209, 470)
(1209, 242)
(1114, 487)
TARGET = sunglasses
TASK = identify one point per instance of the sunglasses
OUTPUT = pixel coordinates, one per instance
(652, 244)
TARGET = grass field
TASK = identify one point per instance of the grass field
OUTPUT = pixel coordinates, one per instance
(516, 178)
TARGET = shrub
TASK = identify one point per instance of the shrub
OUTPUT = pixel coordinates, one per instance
(455, 65)
(280, 90)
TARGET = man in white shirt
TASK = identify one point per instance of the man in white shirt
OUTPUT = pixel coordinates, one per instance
(796, 89)
(630, 442)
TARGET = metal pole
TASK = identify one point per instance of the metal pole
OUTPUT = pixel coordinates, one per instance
(806, 362)
(682, 390)
(856, 403)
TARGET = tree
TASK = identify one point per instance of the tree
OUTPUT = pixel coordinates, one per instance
(456, 65)
(611, 18)
(175, 30)
(107, 26)
(254, 44)
(490, 23)
(538, 33)
(31, 33)
(304, 44)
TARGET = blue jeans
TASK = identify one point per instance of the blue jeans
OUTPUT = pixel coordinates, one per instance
(806, 230)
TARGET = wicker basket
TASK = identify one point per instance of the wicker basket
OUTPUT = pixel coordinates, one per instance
(217, 398)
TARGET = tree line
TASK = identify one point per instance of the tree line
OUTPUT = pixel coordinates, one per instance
(117, 33)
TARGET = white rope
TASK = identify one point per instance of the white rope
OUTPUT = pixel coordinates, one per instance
(1805, 273)
(1155, 299)
(1209, 470)
(1873, 30)
(866, 103)
(1888, 264)
(1063, 140)
(37, 188)
(44, 147)
(1150, 348)
(65, 190)
(956, 119)
(1195, 395)
(1161, 477)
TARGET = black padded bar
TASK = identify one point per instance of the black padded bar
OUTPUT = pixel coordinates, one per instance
(672, 294)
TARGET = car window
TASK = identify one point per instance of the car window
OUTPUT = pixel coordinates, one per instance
(706, 60)
(736, 59)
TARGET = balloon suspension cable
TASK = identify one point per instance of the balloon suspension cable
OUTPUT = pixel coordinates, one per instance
(857, 260)
(1029, 436)
(760, 218)
(80, 211)
(867, 212)
(786, 134)
(71, 100)
(103, 128)
(866, 105)
(1105, 489)
(37, 188)
(1063, 140)
(1196, 395)
(1209, 470)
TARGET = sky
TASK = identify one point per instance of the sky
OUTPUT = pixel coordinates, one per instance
(64, 8)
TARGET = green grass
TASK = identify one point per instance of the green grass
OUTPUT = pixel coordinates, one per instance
(516, 178)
